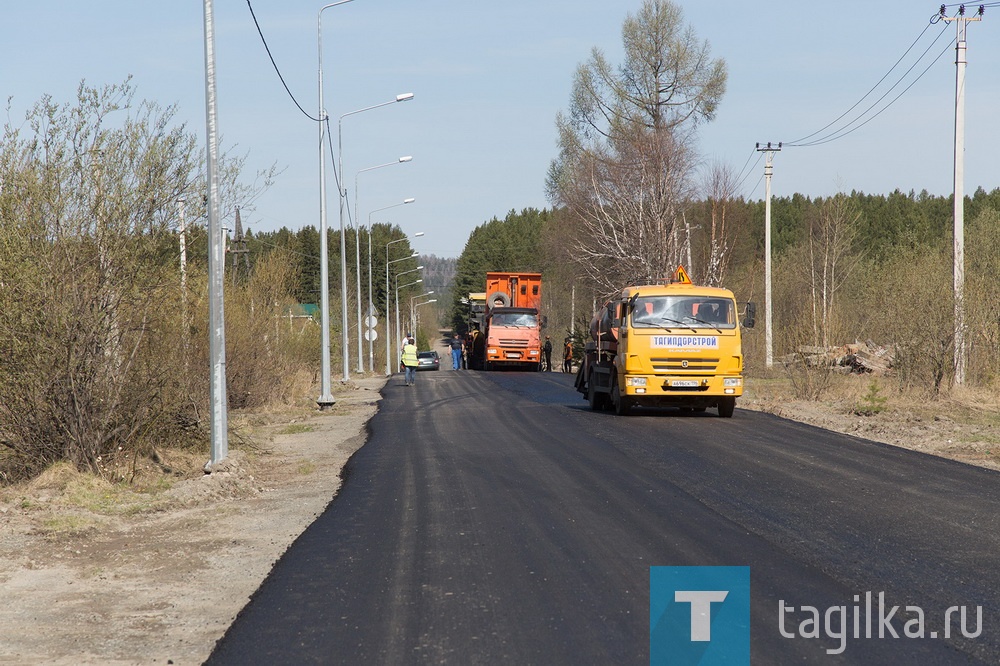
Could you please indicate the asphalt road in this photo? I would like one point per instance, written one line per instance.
(492, 518)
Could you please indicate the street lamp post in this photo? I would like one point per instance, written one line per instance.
(388, 336)
(433, 300)
(357, 260)
(371, 302)
(399, 332)
(342, 191)
(413, 320)
(325, 399)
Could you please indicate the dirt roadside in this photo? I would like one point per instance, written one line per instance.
(158, 582)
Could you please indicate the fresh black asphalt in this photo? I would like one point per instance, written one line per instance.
(492, 518)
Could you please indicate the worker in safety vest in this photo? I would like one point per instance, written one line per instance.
(410, 361)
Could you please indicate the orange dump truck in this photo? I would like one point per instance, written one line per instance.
(675, 344)
(512, 321)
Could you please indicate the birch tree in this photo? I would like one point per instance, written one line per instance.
(833, 258)
(722, 186)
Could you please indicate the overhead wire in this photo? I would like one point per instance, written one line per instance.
(325, 117)
(870, 91)
(739, 176)
(275, 65)
(844, 132)
(852, 126)
(746, 175)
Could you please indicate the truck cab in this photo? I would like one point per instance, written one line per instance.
(512, 321)
(675, 344)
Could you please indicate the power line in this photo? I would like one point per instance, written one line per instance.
(745, 173)
(844, 131)
(847, 127)
(325, 119)
(275, 65)
(854, 106)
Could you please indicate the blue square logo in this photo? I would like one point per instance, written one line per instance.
(699, 615)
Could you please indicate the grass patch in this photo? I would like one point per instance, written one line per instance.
(67, 524)
(296, 429)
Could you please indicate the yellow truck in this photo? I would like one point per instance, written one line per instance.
(674, 344)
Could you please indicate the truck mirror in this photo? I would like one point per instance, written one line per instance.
(750, 316)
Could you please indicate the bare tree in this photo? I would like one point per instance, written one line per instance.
(722, 186)
(833, 257)
(626, 160)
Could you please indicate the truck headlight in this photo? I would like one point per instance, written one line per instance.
(491, 351)
(533, 352)
(635, 381)
(732, 381)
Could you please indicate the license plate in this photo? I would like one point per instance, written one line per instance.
(684, 383)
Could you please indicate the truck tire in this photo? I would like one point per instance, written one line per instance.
(622, 404)
(595, 399)
(504, 299)
(726, 407)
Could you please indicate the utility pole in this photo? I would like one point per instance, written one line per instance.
(768, 327)
(961, 23)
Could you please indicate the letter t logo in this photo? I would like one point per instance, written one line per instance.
(701, 610)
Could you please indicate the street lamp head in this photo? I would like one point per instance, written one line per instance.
(406, 158)
(404, 97)
(418, 234)
(410, 200)
(415, 254)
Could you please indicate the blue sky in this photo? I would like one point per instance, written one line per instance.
(488, 80)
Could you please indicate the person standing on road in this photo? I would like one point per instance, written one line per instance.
(547, 348)
(568, 356)
(456, 352)
(410, 361)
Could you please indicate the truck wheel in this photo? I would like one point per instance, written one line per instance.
(622, 404)
(726, 407)
(595, 399)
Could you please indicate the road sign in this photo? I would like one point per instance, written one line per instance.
(371, 335)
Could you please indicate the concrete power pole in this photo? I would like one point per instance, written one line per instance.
(961, 23)
(768, 326)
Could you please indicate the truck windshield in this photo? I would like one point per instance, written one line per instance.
(683, 312)
(515, 319)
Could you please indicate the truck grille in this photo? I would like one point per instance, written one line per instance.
(512, 342)
(681, 364)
